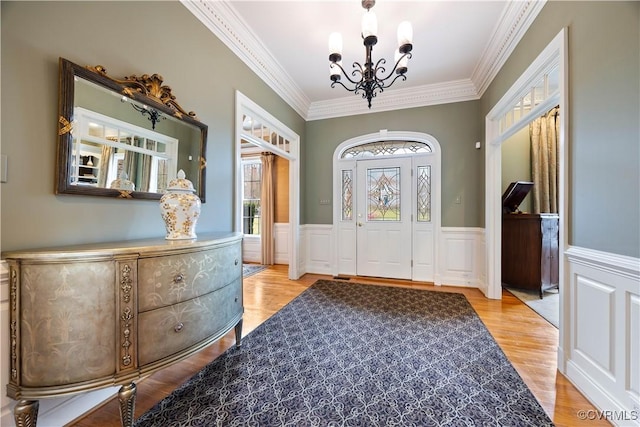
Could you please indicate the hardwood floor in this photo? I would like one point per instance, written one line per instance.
(528, 340)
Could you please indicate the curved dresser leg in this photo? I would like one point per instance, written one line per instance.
(127, 399)
(238, 329)
(26, 413)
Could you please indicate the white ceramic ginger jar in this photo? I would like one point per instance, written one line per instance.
(180, 208)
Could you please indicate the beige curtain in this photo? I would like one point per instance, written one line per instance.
(267, 201)
(544, 133)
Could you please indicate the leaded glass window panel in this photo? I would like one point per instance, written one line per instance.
(383, 194)
(386, 148)
(424, 194)
(347, 193)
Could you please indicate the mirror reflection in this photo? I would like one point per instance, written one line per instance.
(120, 142)
(110, 153)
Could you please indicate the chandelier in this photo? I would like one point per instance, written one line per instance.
(154, 115)
(369, 79)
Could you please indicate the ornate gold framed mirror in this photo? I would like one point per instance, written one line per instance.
(124, 138)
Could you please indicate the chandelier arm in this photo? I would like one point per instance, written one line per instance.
(399, 76)
(380, 68)
(357, 69)
(408, 55)
(333, 84)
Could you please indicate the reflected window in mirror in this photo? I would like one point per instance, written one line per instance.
(109, 153)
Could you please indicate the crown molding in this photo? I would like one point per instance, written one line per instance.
(223, 21)
(420, 96)
(514, 22)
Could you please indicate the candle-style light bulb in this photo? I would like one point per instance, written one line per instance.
(369, 25)
(402, 65)
(335, 43)
(405, 33)
(334, 70)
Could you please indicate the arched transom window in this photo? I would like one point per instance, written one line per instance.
(386, 148)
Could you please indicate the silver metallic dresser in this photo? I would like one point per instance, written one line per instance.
(91, 316)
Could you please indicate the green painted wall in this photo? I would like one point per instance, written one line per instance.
(603, 116)
(126, 38)
(456, 126)
(164, 37)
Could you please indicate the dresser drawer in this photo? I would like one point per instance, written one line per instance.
(166, 280)
(169, 330)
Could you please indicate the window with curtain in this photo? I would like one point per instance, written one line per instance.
(252, 184)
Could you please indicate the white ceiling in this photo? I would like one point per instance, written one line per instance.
(458, 47)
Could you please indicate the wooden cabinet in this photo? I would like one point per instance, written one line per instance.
(530, 251)
(92, 316)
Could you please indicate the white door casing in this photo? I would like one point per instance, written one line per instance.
(424, 235)
(244, 106)
(554, 55)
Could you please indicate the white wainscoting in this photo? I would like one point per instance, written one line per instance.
(460, 254)
(315, 242)
(281, 236)
(604, 331)
(53, 412)
(252, 249)
(461, 257)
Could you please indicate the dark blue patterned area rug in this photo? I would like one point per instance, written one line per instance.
(348, 354)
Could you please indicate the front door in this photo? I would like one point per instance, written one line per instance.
(384, 218)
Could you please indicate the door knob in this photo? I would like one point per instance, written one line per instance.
(359, 224)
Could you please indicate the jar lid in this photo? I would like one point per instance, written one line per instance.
(181, 183)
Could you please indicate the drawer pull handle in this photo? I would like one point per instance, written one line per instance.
(179, 278)
(179, 327)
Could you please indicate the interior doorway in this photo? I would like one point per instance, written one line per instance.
(530, 233)
(257, 127)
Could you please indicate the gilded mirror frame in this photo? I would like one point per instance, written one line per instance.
(146, 90)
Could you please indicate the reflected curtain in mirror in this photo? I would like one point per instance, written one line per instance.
(267, 197)
(543, 133)
(103, 172)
